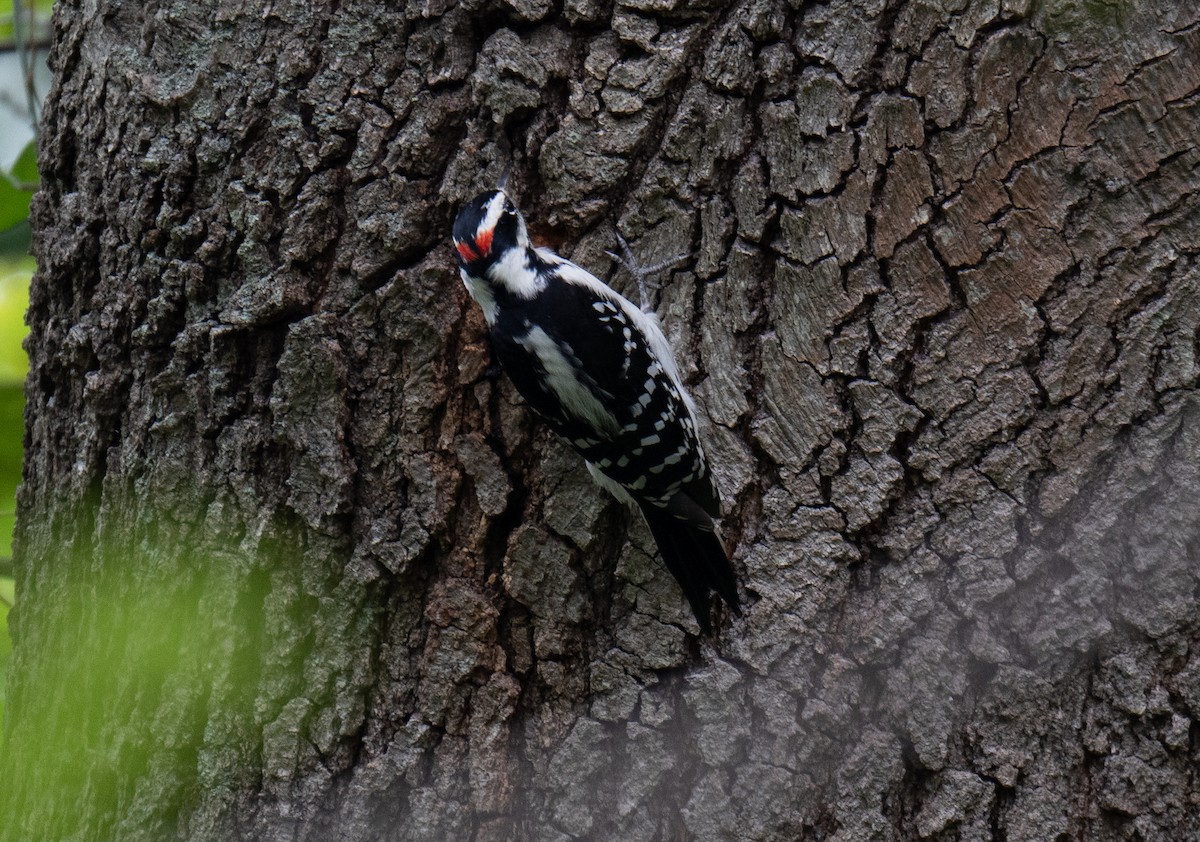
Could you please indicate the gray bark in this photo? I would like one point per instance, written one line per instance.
(294, 564)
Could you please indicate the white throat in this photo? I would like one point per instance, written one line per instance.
(515, 272)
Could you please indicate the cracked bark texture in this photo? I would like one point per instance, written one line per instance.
(295, 565)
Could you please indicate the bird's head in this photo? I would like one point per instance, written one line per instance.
(487, 228)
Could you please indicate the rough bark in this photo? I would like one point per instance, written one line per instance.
(294, 563)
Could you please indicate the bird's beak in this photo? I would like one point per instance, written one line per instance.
(477, 250)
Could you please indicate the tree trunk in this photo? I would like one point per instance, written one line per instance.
(295, 562)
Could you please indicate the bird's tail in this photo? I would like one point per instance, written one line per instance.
(694, 555)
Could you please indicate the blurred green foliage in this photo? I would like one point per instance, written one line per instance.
(16, 189)
(15, 273)
(16, 269)
(6, 601)
(25, 27)
(176, 653)
(14, 19)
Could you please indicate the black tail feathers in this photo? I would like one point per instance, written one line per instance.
(696, 558)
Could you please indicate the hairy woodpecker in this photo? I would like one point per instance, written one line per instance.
(600, 371)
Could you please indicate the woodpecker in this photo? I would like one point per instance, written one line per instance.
(599, 370)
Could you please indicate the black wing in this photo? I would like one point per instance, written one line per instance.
(648, 443)
(584, 364)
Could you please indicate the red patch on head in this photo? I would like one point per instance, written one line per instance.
(466, 252)
(483, 241)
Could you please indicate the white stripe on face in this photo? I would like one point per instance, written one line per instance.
(494, 210)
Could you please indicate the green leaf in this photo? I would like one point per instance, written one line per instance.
(15, 241)
(24, 169)
(14, 204)
(15, 274)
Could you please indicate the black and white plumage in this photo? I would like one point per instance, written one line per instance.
(600, 371)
